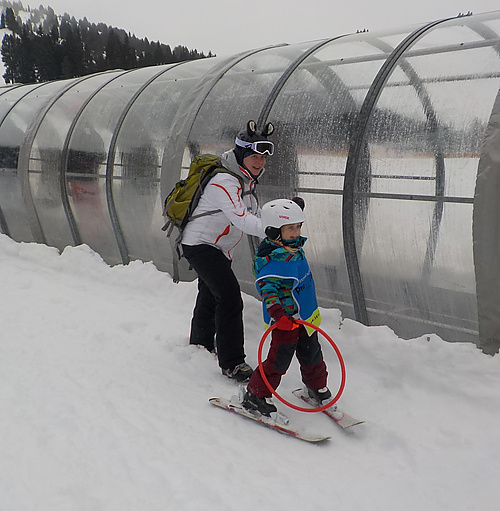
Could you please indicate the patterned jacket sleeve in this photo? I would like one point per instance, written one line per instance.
(269, 291)
(276, 291)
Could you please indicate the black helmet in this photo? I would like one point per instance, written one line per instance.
(251, 140)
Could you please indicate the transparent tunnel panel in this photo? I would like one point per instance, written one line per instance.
(48, 159)
(18, 110)
(13, 216)
(14, 219)
(89, 177)
(138, 156)
(316, 107)
(242, 91)
(414, 238)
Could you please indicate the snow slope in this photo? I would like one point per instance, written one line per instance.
(104, 406)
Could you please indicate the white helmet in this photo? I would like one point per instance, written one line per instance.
(279, 212)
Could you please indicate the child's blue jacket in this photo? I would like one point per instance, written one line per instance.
(284, 277)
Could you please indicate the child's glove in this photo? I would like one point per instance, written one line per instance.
(283, 321)
(286, 323)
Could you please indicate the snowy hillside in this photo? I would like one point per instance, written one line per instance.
(104, 406)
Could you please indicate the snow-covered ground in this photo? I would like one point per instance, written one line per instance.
(104, 406)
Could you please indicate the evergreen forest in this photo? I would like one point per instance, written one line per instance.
(50, 47)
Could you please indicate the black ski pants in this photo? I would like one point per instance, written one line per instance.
(218, 313)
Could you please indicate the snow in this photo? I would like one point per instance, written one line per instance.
(104, 405)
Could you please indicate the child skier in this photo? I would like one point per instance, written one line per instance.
(285, 283)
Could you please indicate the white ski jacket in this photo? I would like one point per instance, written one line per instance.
(237, 215)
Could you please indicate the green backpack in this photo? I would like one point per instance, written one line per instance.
(182, 200)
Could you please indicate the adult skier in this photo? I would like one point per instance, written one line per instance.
(208, 242)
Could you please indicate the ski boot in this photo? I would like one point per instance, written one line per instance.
(241, 372)
(320, 396)
(259, 404)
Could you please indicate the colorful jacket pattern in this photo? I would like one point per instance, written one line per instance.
(284, 278)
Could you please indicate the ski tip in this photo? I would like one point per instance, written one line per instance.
(343, 419)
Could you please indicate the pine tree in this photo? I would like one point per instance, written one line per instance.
(129, 56)
(47, 55)
(72, 52)
(10, 57)
(27, 72)
(158, 57)
(113, 51)
(10, 20)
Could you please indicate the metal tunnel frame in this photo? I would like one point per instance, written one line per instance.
(357, 150)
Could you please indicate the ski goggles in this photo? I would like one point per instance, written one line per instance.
(261, 147)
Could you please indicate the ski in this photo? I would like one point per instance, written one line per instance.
(343, 419)
(266, 421)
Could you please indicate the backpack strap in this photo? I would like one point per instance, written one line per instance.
(176, 257)
(251, 192)
(169, 226)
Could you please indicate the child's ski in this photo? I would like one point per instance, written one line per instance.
(343, 419)
(266, 421)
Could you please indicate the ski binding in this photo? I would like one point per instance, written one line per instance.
(280, 424)
(343, 419)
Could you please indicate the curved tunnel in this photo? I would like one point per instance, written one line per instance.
(384, 134)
